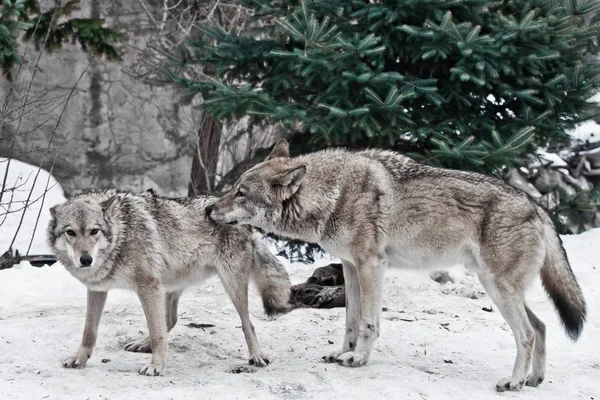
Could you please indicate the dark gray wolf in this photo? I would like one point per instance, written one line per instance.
(376, 208)
(157, 247)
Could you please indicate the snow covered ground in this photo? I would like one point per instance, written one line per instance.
(437, 342)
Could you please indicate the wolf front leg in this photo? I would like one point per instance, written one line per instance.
(95, 305)
(142, 345)
(352, 311)
(235, 280)
(152, 296)
(370, 269)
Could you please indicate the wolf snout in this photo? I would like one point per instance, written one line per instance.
(85, 260)
(209, 209)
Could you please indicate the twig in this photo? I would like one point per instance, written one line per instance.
(31, 202)
(164, 16)
(15, 78)
(46, 153)
(46, 190)
(148, 12)
(12, 195)
(35, 69)
(212, 11)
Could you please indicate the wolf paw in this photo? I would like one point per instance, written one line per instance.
(141, 345)
(152, 370)
(534, 380)
(332, 357)
(509, 384)
(259, 361)
(76, 361)
(353, 359)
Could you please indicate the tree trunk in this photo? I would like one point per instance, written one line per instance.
(204, 164)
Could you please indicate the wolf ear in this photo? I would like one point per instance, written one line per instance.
(53, 211)
(281, 150)
(106, 204)
(288, 181)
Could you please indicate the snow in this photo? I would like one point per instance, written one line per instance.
(595, 98)
(22, 176)
(553, 158)
(436, 341)
(588, 131)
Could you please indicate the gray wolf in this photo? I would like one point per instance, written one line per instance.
(375, 208)
(157, 247)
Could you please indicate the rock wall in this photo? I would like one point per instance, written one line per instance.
(115, 131)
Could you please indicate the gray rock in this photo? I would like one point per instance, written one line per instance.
(115, 131)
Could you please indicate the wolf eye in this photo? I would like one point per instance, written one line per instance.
(94, 231)
(70, 232)
(239, 193)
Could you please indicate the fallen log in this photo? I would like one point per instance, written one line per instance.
(9, 259)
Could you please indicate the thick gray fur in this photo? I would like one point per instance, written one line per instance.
(376, 208)
(157, 247)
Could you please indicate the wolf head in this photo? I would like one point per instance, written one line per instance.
(79, 232)
(258, 196)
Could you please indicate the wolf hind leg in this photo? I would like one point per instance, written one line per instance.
(539, 355)
(511, 304)
(142, 345)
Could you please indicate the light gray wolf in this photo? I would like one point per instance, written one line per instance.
(374, 207)
(157, 247)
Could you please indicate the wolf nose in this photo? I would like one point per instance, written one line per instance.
(209, 209)
(85, 261)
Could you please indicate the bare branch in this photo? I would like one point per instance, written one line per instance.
(46, 190)
(164, 15)
(11, 89)
(35, 69)
(46, 152)
(145, 7)
(12, 210)
(235, 143)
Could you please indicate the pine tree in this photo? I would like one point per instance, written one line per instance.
(50, 29)
(466, 84)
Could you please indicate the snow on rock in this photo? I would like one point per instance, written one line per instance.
(553, 158)
(588, 131)
(595, 98)
(22, 176)
(436, 342)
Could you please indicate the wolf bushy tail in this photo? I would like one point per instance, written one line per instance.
(272, 280)
(560, 284)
